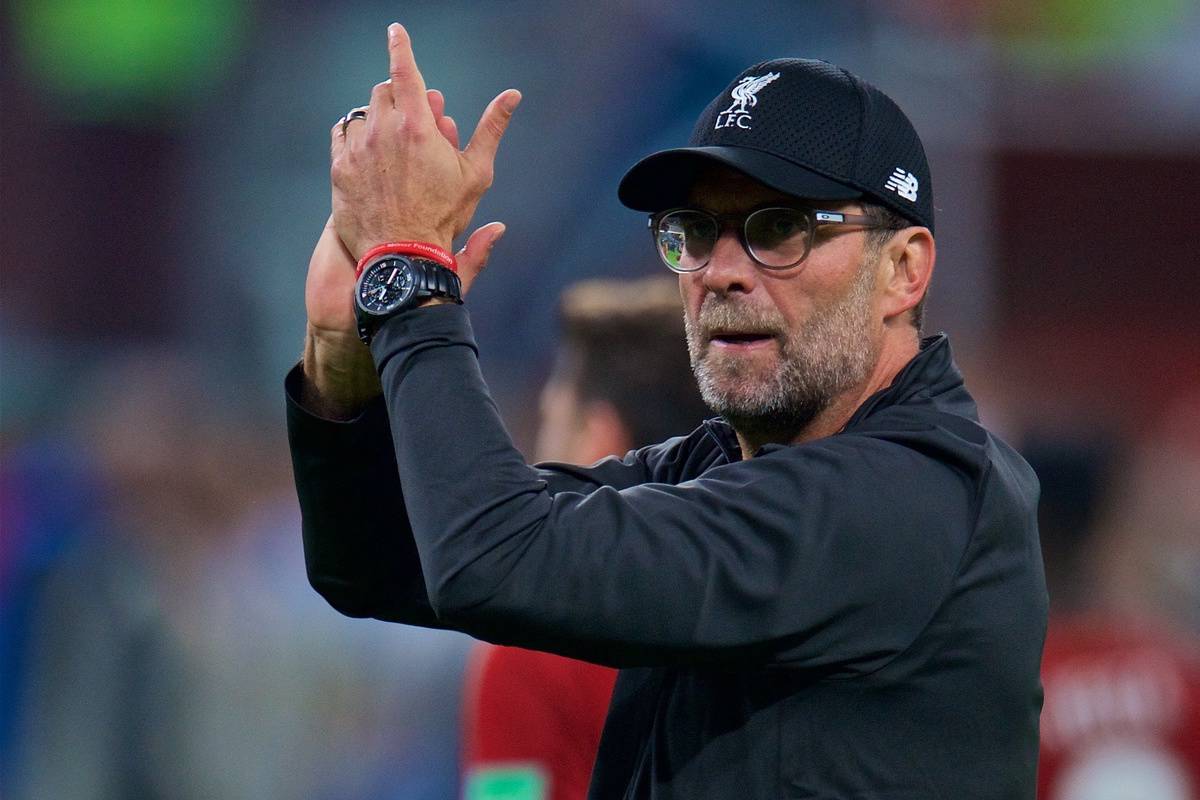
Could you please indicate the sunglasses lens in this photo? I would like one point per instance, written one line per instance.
(778, 237)
(685, 239)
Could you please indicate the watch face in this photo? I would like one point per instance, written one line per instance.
(385, 285)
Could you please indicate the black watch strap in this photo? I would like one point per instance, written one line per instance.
(434, 280)
(430, 279)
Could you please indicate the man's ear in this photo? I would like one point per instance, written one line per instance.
(908, 258)
(603, 432)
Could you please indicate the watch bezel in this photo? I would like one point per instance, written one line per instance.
(429, 279)
(405, 263)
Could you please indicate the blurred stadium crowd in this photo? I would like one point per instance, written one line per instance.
(164, 176)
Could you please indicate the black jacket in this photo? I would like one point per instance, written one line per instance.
(857, 617)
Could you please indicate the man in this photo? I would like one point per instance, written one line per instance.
(533, 719)
(833, 591)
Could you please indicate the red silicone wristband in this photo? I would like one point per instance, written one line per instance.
(421, 249)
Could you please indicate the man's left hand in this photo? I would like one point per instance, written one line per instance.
(397, 176)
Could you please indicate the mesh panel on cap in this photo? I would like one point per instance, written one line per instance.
(809, 115)
(885, 147)
(815, 127)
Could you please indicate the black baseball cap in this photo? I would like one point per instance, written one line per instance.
(803, 127)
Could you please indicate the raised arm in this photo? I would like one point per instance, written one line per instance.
(358, 546)
(789, 558)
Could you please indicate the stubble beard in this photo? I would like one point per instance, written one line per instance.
(830, 353)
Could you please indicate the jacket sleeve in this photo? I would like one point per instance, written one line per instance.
(831, 555)
(358, 545)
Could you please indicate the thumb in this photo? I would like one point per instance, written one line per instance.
(473, 257)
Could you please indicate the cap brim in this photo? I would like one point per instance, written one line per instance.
(662, 180)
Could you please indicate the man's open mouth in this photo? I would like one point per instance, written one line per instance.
(740, 338)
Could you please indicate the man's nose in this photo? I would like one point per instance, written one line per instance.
(730, 268)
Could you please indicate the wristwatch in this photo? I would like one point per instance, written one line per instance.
(393, 283)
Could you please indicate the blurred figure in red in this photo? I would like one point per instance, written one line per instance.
(1122, 713)
(1121, 668)
(533, 719)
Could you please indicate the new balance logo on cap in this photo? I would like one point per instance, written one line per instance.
(744, 95)
(903, 183)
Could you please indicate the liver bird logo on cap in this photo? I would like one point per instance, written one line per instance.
(745, 95)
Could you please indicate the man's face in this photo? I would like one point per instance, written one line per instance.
(772, 348)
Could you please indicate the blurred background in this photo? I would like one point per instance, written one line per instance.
(164, 175)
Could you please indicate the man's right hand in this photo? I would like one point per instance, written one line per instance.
(340, 377)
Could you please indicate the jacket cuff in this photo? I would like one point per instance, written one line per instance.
(351, 434)
(441, 325)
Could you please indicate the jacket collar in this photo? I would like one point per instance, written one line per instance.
(721, 432)
(930, 378)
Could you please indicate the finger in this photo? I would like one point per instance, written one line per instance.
(408, 87)
(445, 125)
(353, 125)
(338, 132)
(437, 103)
(329, 224)
(473, 256)
(381, 100)
(449, 130)
(355, 115)
(337, 139)
(486, 139)
(345, 251)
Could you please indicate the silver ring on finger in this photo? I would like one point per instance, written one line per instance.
(357, 113)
